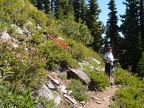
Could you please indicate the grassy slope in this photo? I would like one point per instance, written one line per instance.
(130, 94)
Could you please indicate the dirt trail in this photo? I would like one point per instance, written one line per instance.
(101, 99)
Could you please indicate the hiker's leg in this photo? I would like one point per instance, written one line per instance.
(110, 79)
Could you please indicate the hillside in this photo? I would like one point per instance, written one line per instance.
(45, 63)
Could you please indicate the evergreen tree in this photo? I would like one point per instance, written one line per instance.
(83, 10)
(140, 66)
(93, 24)
(39, 4)
(112, 28)
(52, 6)
(47, 6)
(142, 22)
(60, 6)
(69, 10)
(131, 32)
(33, 1)
(76, 5)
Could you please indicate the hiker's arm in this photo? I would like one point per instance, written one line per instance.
(105, 60)
(115, 59)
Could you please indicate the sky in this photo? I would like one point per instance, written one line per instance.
(104, 9)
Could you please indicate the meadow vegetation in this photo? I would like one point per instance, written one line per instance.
(22, 70)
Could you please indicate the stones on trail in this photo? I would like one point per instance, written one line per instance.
(99, 99)
(95, 98)
(106, 99)
(98, 102)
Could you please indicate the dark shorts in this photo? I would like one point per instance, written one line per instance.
(107, 68)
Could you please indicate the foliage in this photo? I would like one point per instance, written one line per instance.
(12, 97)
(130, 95)
(112, 28)
(76, 31)
(78, 90)
(98, 80)
(94, 25)
(23, 67)
(126, 78)
(55, 54)
(140, 66)
(131, 44)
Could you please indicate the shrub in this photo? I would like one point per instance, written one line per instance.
(56, 55)
(22, 67)
(75, 31)
(130, 97)
(140, 66)
(78, 90)
(99, 80)
(126, 78)
(20, 98)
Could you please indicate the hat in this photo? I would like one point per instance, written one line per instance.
(109, 47)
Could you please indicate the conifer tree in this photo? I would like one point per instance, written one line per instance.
(69, 10)
(142, 22)
(47, 6)
(39, 4)
(60, 6)
(76, 5)
(131, 32)
(83, 10)
(112, 27)
(94, 24)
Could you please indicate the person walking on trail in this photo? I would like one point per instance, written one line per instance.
(109, 64)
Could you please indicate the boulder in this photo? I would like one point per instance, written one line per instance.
(78, 74)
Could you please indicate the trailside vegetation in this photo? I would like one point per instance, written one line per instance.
(26, 58)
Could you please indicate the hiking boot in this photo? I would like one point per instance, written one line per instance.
(111, 84)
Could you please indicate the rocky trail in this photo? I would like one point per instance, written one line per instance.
(101, 99)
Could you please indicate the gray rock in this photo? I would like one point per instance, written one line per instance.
(54, 80)
(45, 92)
(19, 31)
(79, 74)
(57, 100)
(95, 60)
(63, 89)
(5, 36)
(70, 99)
(98, 102)
(38, 105)
(51, 85)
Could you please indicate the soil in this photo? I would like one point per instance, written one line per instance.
(101, 99)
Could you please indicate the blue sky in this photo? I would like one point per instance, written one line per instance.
(104, 8)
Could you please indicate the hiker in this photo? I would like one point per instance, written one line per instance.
(109, 64)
